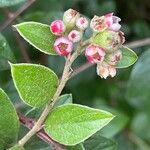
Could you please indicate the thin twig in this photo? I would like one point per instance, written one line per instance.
(16, 14)
(134, 44)
(81, 68)
(29, 123)
(136, 140)
(138, 43)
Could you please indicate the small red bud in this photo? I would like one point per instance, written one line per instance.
(57, 27)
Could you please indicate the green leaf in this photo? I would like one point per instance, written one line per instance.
(97, 142)
(142, 131)
(38, 35)
(35, 84)
(16, 148)
(71, 124)
(9, 123)
(129, 57)
(7, 3)
(117, 124)
(138, 92)
(5, 53)
(64, 99)
(76, 147)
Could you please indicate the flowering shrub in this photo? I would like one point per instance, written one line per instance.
(39, 87)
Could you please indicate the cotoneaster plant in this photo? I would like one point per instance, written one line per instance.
(39, 87)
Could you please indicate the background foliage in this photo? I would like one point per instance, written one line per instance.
(126, 96)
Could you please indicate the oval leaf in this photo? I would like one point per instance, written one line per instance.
(9, 122)
(71, 124)
(35, 84)
(38, 35)
(129, 57)
(64, 99)
(138, 92)
(97, 142)
(7, 3)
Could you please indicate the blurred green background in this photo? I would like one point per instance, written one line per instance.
(127, 95)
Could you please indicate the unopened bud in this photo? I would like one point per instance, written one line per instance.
(63, 46)
(57, 27)
(94, 53)
(82, 23)
(104, 70)
(75, 36)
(70, 17)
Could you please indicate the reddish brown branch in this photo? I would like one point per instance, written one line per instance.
(29, 123)
(16, 14)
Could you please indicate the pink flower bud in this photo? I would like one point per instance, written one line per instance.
(63, 46)
(112, 22)
(94, 53)
(98, 24)
(70, 17)
(57, 27)
(104, 70)
(74, 36)
(82, 23)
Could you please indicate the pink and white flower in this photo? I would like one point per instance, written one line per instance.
(74, 36)
(82, 23)
(70, 17)
(94, 53)
(112, 22)
(114, 58)
(109, 21)
(63, 46)
(104, 70)
(57, 27)
(98, 24)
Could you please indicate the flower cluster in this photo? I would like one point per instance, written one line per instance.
(103, 47)
(68, 31)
